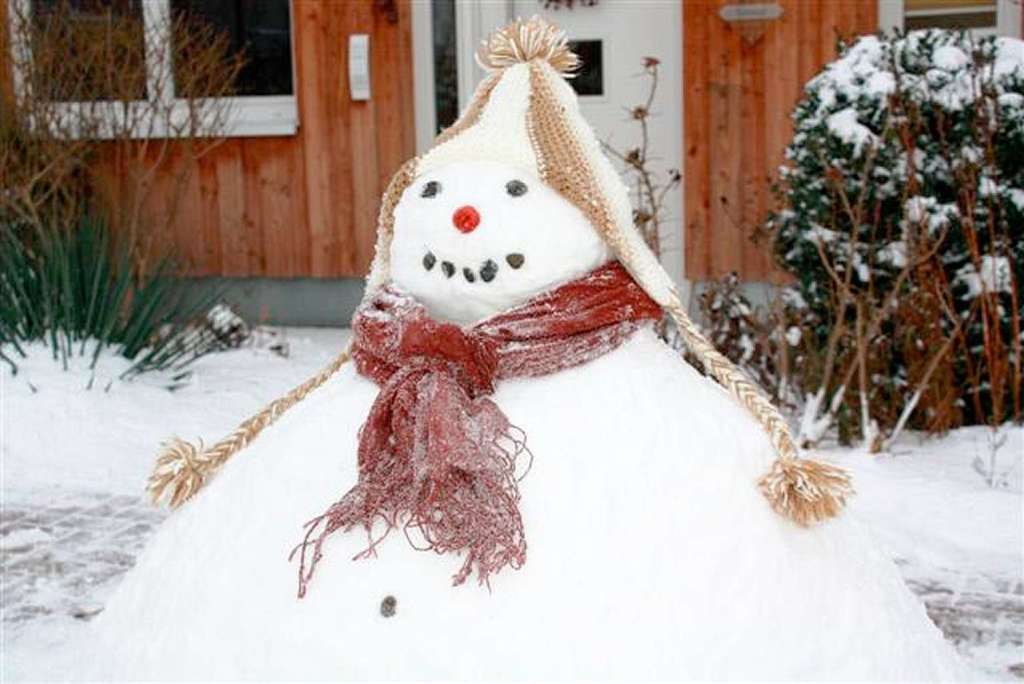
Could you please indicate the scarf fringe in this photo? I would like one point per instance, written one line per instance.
(455, 510)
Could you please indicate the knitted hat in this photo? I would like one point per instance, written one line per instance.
(526, 115)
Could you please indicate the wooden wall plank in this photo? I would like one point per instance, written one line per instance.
(740, 88)
(726, 146)
(6, 77)
(186, 222)
(697, 120)
(364, 144)
(231, 216)
(754, 199)
(312, 44)
(212, 261)
(276, 199)
(299, 249)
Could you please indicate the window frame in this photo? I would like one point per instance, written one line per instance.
(891, 14)
(247, 116)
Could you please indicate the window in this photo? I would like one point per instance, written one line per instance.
(446, 71)
(981, 17)
(589, 78)
(87, 23)
(259, 30)
(970, 14)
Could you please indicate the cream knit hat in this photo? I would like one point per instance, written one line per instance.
(525, 114)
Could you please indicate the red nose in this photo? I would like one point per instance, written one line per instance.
(466, 219)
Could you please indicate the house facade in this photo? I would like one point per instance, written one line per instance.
(340, 92)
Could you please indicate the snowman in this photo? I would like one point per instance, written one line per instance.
(508, 475)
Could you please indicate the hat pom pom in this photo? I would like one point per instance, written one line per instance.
(806, 491)
(525, 40)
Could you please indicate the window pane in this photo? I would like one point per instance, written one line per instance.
(259, 29)
(926, 5)
(88, 50)
(918, 5)
(589, 78)
(446, 73)
(972, 20)
(950, 14)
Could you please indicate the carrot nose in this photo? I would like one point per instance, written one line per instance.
(466, 219)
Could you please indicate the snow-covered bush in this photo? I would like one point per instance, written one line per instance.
(903, 225)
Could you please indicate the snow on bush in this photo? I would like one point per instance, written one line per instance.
(903, 198)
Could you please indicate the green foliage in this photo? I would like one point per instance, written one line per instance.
(78, 291)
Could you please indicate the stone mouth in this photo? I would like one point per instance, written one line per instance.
(485, 272)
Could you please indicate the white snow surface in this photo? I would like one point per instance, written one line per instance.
(614, 549)
(994, 276)
(845, 126)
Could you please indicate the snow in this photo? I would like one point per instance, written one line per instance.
(993, 278)
(793, 335)
(1017, 197)
(113, 427)
(950, 58)
(956, 541)
(75, 449)
(845, 126)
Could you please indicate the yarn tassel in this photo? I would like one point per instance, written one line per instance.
(180, 471)
(806, 491)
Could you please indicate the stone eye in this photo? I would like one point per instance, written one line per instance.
(430, 189)
(516, 188)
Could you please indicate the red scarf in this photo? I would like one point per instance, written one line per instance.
(437, 457)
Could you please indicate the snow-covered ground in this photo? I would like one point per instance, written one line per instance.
(76, 447)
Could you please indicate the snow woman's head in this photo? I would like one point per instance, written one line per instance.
(475, 238)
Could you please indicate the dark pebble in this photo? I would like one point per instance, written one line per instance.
(488, 271)
(448, 268)
(515, 260)
(429, 260)
(388, 606)
(470, 276)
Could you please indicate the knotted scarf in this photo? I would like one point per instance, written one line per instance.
(437, 457)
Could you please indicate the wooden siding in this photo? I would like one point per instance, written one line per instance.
(6, 88)
(739, 91)
(302, 205)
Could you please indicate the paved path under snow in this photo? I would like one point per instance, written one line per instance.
(53, 559)
(62, 560)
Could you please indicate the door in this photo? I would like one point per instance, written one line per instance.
(613, 38)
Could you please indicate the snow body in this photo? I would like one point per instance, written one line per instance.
(651, 554)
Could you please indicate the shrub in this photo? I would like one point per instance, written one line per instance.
(77, 290)
(903, 226)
